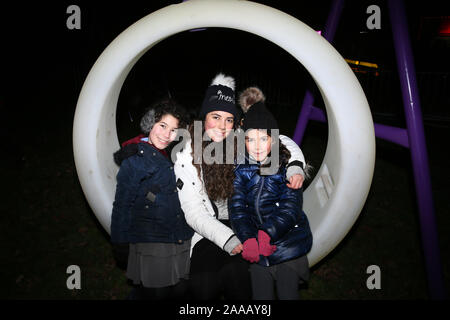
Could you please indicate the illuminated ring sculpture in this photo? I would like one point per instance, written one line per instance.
(338, 192)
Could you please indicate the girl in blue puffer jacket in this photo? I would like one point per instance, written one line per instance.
(147, 214)
(266, 215)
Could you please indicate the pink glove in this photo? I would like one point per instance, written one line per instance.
(265, 248)
(250, 251)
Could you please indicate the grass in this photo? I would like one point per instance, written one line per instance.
(47, 226)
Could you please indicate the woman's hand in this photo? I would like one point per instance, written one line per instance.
(237, 249)
(296, 181)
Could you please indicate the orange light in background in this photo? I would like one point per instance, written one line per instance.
(358, 63)
(362, 63)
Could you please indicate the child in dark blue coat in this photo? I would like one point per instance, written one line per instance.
(267, 215)
(146, 211)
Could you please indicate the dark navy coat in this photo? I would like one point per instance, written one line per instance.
(265, 203)
(146, 206)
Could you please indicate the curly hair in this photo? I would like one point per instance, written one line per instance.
(218, 178)
(159, 109)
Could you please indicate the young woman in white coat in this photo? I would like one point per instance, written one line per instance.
(217, 268)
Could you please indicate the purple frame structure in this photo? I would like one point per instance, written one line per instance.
(412, 137)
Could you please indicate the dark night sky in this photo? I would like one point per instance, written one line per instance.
(47, 63)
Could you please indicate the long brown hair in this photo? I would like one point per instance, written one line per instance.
(218, 178)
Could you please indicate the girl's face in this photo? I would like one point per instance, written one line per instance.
(258, 144)
(164, 131)
(218, 125)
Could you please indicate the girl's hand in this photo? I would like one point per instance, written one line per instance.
(250, 252)
(265, 248)
(296, 181)
(237, 249)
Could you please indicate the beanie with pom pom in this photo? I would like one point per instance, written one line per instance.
(256, 114)
(220, 97)
(250, 96)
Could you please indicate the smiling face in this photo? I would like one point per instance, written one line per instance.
(218, 125)
(164, 131)
(258, 144)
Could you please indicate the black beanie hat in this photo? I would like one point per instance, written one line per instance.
(220, 97)
(259, 117)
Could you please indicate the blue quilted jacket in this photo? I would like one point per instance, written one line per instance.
(266, 203)
(146, 206)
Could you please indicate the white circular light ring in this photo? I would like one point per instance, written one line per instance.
(338, 192)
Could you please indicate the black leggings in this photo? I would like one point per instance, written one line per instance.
(266, 279)
(215, 274)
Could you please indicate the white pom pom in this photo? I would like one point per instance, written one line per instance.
(223, 80)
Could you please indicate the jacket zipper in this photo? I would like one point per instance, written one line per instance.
(257, 200)
(266, 261)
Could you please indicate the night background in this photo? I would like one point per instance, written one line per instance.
(46, 223)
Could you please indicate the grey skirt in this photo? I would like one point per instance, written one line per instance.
(156, 265)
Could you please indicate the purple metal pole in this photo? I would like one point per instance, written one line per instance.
(333, 20)
(413, 114)
(303, 117)
(317, 114)
(308, 100)
(392, 134)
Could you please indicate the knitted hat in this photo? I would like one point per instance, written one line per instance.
(220, 97)
(259, 117)
(256, 116)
